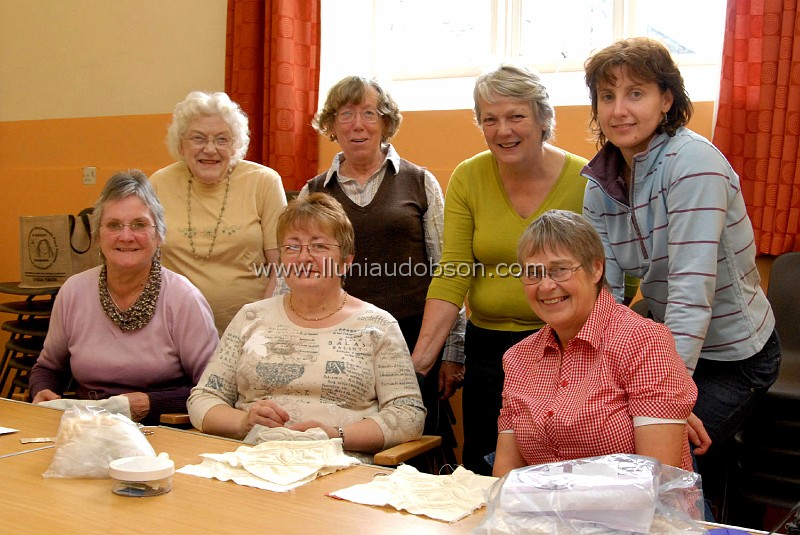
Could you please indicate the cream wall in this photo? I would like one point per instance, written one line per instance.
(93, 83)
(90, 58)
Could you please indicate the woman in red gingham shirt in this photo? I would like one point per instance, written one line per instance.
(598, 378)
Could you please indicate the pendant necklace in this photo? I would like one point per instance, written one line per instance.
(219, 218)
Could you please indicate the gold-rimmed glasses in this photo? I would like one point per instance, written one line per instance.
(535, 273)
(137, 227)
(199, 141)
(367, 116)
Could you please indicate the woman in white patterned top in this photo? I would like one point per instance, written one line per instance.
(315, 357)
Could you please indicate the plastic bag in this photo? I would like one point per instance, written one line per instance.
(612, 494)
(89, 438)
(115, 404)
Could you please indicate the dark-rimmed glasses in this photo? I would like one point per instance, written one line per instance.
(314, 249)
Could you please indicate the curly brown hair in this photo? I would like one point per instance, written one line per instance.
(645, 60)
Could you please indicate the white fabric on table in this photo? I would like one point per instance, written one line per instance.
(261, 433)
(446, 497)
(277, 465)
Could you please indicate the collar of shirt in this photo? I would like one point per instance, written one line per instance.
(392, 158)
(592, 331)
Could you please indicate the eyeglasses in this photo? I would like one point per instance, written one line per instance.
(199, 141)
(534, 274)
(348, 116)
(137, 227)
(314, 249)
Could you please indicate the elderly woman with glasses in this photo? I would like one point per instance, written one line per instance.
(130, 326)
(221, 209)
(598, 378)
(397, 211)
(316, 357)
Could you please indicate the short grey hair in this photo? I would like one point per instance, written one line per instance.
(199, 103)
(122, 185)
(352, 90)
(520, 84)
(565, 232)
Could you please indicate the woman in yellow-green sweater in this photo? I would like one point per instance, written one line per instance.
(491, 198)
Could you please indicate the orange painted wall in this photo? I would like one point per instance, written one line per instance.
(41, 161)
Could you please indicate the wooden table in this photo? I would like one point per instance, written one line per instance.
(33, 504)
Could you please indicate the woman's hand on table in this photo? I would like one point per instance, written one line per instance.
(331, 431)
(45, 395)
(267, 413)
(140, 405)
(364, 435)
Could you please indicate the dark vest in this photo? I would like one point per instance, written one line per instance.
(390, 268)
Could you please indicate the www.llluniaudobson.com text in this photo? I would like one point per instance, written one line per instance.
(404, 269)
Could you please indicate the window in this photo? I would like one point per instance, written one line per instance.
(428, 52)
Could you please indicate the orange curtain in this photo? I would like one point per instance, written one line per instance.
(272, 71)
(758, 123)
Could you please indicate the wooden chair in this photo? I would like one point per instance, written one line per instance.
(175, 419)
(27, 334)
(425, 445)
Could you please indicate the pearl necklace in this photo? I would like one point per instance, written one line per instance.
(219, 218)
(326, 316)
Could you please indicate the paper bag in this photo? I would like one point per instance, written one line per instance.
(54, 247)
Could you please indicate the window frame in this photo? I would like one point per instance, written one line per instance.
(451, 87)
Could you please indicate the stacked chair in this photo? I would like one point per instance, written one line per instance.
(27, 332)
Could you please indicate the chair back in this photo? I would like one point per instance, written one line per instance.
(767, 470)
(784, 296)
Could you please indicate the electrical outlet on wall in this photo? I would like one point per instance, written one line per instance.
(89, 175)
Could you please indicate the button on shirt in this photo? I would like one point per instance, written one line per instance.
(581, 403)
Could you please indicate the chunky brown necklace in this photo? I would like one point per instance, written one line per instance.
(140, 314)
(219, 218)
(326, 316)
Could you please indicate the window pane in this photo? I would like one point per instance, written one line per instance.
(696, 38)
(428, 52)
(554, 35)
(421, 36)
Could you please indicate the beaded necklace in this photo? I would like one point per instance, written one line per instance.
(141, 312)
(326, 316)
(219, 218)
